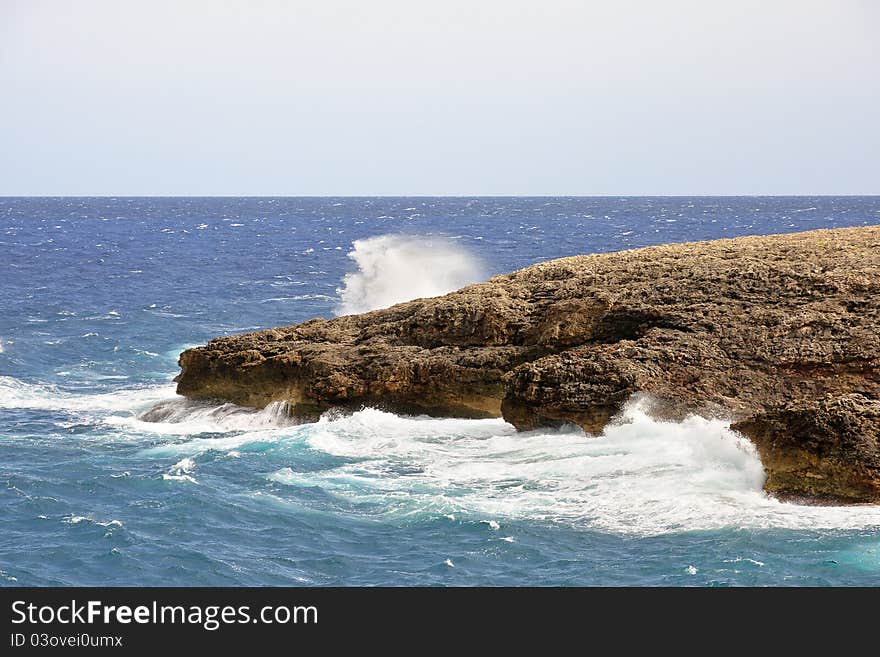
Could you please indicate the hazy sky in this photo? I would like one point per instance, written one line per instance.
(388, 97)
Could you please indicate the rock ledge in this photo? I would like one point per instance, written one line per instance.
(780, 334)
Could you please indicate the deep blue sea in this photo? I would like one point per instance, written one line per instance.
(99, 295)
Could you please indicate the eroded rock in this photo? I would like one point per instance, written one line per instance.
(751, 329)
(826, 450)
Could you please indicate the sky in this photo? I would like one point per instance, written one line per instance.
(450, 97)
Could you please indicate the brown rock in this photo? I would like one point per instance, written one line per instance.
(738, 328)
(826, 450)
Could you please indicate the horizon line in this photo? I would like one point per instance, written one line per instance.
(471, 196)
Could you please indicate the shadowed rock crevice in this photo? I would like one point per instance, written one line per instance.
(736, 328)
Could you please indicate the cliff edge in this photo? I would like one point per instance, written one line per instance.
(780, 334)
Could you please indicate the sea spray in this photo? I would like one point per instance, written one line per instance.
(642, 476)
(15, 393)
(77, 449)
(191, 417)
(396, 268)
(181, 471)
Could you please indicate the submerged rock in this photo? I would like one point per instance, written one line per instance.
(759, 330)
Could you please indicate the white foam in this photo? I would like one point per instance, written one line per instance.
(75, 520)
(396, 268)
(759, 564)
(181, 416)
(226, 444)
(642, 476)
(181, 471)
(18, 394)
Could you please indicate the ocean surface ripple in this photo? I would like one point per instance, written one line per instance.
(109, 478)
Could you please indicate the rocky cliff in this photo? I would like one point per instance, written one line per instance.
(780, 334)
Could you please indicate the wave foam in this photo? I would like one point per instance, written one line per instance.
(642, 476)
(181, 471)
(75, 520)
(182, 416)
(18, 394)
(397, 268)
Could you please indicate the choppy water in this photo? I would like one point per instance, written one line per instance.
(98, 296)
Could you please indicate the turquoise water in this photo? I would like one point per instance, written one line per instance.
(98, 297)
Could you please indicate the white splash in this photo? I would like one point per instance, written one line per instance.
(75, 520)
(642, 476)
(181, 471)
(396, 268)
(182, 416)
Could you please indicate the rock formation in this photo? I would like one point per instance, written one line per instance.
(822, 451)
(780, 334)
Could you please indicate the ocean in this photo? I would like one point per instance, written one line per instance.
(98, 296)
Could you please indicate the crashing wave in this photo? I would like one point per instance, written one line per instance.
(641, 476)
(184, 416)
(396, 268)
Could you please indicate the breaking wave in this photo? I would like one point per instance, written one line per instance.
(396, 268)
(185, 417)
(641, 476)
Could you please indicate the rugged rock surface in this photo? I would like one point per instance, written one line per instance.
(762, 330)
(826, 450)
